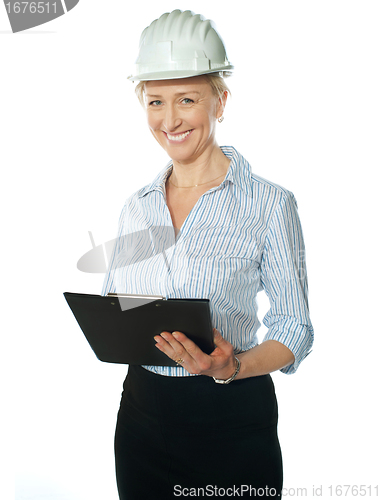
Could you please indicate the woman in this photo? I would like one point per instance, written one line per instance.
(233, 234)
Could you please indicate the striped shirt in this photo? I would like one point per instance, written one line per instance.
(241, 237)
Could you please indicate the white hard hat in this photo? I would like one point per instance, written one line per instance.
(180, 45)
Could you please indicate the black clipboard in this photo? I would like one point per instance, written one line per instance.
(119, 333)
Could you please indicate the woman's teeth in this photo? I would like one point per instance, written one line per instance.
(178, 137)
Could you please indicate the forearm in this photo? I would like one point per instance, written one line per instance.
(264, 358)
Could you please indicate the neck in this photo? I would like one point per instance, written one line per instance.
(205, 169)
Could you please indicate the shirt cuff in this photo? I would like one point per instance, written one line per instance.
(298, 338)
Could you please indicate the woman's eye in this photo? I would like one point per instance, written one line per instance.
(187, 101)
(155, 103)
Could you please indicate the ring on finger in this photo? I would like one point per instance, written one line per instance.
(179, 361)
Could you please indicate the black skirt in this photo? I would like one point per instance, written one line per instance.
(188, 436)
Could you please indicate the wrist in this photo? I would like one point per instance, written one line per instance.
(233, 376)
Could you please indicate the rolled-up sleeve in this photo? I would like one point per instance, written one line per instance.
(284, 279)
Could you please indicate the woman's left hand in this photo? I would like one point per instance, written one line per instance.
(220, 363)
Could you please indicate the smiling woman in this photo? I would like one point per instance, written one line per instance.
(212, 419)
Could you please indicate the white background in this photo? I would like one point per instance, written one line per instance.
(305, 112)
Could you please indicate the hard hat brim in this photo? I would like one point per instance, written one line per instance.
(172, 75)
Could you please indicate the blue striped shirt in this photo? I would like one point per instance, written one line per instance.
(241, 237)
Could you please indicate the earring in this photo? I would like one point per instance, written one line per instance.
(220, 119)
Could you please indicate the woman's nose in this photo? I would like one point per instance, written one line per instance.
(172, 119)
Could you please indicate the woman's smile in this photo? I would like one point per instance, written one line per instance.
(179, 137)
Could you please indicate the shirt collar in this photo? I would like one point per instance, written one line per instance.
(239, 173)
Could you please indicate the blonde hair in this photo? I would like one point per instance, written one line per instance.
(216, 81)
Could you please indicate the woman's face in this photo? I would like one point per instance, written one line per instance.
(182, 116)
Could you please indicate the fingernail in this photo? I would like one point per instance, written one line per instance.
(175, 334)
